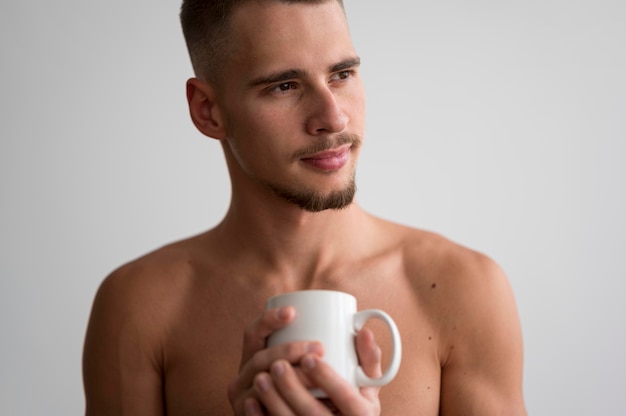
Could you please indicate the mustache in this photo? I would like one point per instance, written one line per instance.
(327, 143)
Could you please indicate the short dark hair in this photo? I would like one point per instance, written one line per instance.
(206, 27)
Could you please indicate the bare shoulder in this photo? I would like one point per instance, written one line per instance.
(152, 280)
(450, 279)
(130, 318)
(139, 296)
(469, 298)
(432, 259)
(468, 288)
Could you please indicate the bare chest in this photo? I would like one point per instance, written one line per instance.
(203, 351)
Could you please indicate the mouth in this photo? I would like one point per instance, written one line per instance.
(329, 160)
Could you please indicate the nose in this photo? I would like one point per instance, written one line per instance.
(326, 115)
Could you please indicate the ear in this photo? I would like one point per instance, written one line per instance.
(203, 109)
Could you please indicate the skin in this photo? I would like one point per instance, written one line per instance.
(181, 331)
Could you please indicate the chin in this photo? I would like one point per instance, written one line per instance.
(314, 201)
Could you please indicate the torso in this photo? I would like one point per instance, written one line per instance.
(209, 300)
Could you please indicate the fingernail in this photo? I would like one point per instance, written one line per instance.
(309, 362)
(262, 383)
(278, 369)
(283, 313)
(314, 348)
(252, 408)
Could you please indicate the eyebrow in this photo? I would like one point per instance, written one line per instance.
(278, 77)
(282, 76)
(347, 64)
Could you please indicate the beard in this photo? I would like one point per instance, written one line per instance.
(312, 200)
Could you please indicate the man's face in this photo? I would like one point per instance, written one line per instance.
(293, 102)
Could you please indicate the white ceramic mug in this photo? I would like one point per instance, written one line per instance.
(331, 318)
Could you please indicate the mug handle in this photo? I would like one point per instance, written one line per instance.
(359, 320)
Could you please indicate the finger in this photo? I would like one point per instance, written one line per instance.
(370, 356)
(294, 392)
(252, 407)
(270, 398)
(347, 398)
(253, 342)
(369, 353)
(256, 334)
(262, 360)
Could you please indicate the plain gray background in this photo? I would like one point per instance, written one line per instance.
(501, 124)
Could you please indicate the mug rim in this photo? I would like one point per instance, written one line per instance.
(312, 292)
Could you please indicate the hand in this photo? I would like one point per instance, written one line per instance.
(256, 358)
(282, 391)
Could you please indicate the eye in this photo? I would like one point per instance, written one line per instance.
(285, 86)
(343, 75)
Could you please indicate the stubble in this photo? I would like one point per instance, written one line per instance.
(312, 200)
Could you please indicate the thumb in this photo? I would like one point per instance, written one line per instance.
(369, 353)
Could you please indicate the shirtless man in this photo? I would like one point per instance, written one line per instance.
(182, 330)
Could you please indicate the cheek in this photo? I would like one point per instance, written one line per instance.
(356, 105)
(357, 114)
(257, 120)
(279, 115)
(258, 137)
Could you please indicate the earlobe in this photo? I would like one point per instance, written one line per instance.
(203, 109)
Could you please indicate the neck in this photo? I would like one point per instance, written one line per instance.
(282, 237)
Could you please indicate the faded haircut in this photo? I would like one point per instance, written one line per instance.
(206, 27)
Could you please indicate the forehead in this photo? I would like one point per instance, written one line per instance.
(273, 35)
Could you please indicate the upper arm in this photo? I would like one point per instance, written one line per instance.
(121, 368)
(483, 361)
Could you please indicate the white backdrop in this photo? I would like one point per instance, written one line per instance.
(499, 124)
